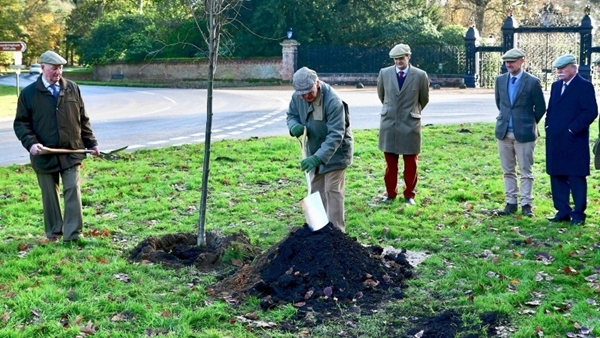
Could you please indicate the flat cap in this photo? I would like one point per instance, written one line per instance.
(597, 61)
(513, 55)
(399, 50)
(52, 58)
(304, 80)
(564, 60)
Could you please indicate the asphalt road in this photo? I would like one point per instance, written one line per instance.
(157, 117)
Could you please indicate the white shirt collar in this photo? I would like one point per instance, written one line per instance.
(48, 84)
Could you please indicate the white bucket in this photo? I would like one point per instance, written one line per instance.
(314, 212)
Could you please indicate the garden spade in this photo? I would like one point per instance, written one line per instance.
(314, 211)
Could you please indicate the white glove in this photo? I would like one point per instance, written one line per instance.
(35, 149)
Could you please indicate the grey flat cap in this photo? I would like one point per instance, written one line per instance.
(564, 60)
(52, 58)
(399, 50)
(597, 61)
(513, 55)
(304, 80)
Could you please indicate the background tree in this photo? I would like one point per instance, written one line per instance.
(341, 22)
(117, 38)
(10, 30)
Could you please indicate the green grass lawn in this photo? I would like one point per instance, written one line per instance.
(8, 101)
(541, 276)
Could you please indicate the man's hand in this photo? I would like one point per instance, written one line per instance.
(95, 151)
(310, 163)
(297, 130)
(35, 149)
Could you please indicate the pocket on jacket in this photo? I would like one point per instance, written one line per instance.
(384, 111)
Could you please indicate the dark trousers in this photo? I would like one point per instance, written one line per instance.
(562, 186)
(55, 225)
(391, 174)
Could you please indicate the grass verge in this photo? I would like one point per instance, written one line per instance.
(542, 276)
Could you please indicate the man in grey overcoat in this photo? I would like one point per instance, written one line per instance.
(404, 91)
(571, 110)
(521, 105)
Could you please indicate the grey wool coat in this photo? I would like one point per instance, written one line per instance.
(400, 121)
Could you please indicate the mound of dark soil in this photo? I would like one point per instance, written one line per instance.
(181, 249)
(319, 271)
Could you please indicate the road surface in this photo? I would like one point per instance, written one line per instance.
(157, 117)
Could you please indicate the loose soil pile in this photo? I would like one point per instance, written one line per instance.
(181, 249)
(319, 271)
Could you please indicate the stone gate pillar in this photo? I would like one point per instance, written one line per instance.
(289, 53)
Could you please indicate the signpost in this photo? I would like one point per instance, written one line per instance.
(17, 47)
(12, 46)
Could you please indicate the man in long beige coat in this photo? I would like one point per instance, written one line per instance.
(404, 91)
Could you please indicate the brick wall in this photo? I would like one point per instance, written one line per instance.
(177, 71)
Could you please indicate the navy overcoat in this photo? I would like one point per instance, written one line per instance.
(568, 120)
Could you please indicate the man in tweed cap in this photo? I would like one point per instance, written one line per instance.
(521, 105)
(571, 109)
(404, 91)
(51, 113)
(317, 107)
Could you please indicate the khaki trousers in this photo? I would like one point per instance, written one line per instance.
(330, 186)
(512, 151)
(55, 225)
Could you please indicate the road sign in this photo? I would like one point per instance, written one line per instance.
(16, 66)
(12, 46)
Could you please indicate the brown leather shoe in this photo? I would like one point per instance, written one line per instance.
(508, 209)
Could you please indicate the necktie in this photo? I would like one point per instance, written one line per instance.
(55, 90)
(400, 75)
(563, 88)
(512, 89)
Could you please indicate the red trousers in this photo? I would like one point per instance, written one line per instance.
(391, 174)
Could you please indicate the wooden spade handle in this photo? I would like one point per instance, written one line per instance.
(46, 150)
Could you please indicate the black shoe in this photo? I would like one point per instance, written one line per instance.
(410, 201)
(389, 200)
(576, 221)
(508, 209)
(526, 210)
(559, 218)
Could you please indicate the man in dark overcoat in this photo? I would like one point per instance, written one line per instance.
(571, 110)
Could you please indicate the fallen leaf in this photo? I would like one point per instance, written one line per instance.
(118, 317)
(23, 246)
(88, 328)
(570, 271)
(237, 262)
(251, 315)
(534, 302)
(122, 277)
(299, 304)
(308, 294)
(5, 316)
(328, 291)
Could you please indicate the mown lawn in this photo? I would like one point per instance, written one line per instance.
(541, 276)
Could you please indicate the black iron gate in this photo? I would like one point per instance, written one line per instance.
(542, 44)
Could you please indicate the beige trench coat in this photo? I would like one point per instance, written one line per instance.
(400, 126)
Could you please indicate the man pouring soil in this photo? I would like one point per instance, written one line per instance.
(318, 107)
